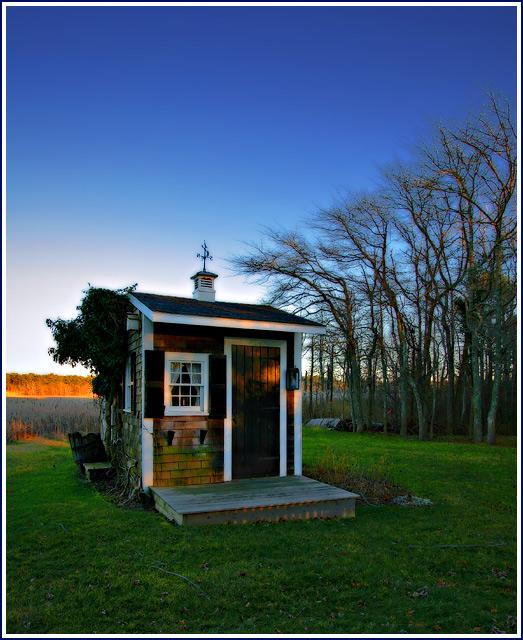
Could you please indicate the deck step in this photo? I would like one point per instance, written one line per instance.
(263, 499)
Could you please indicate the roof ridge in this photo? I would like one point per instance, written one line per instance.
(178, 305)
(249, 304)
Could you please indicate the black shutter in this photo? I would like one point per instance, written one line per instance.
(154, 377)
(217, 387)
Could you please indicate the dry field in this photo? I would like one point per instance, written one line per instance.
(28, 418)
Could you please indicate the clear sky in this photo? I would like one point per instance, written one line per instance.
(134, 133)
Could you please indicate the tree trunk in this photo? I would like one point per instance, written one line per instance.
(385, 390)
(357, 414)
(311, 383)
(403, 389)
(351, 392)
(344, 378)
(371, 378)
(476, 389)
(497, 356)
(436, 381)
(322, 370)
(331, 376)
(422, 428)
(449, 348)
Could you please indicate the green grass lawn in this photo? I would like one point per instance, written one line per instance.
(77, 563)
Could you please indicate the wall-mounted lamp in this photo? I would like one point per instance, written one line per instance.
(203, 433)
(293, 379)
(170, 437)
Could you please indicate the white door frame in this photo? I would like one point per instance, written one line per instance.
(297, 410)
(227, 439)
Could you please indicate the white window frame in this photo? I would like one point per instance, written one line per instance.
(203, 359)
(127, 407)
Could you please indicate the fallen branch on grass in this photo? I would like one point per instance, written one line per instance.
(455, 546)
(178, 575)
(362, 496)
(59, 523)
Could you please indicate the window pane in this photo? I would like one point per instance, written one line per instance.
(175, 391)
(196, 367)
(184, 402)
(195, 401)
(185, 391)
(175, 377)
(196, 378)
(186, 378)
(176, 402)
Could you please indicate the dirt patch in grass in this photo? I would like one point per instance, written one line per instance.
(372, 483)
(372, 490)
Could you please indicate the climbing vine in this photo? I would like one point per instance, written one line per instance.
(97, 339)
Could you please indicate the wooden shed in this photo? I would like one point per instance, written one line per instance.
(212, 398)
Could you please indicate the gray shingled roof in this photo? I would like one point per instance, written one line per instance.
(232, 310)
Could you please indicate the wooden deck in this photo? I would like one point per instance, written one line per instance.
(258, 499)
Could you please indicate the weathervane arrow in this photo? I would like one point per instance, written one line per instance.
(205, 255)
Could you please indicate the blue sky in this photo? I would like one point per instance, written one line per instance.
(134, 133)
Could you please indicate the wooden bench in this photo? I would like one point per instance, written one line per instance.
(93, 469)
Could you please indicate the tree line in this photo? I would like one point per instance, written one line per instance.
(416, 281)
(32, 384)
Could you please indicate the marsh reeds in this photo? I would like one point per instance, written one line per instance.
(29, 418)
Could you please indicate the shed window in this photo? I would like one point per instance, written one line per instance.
(130, 384)
(186, 388)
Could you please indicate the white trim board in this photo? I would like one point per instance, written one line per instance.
(297, 410)
(147, 423)
(227, 439)
(226, 323)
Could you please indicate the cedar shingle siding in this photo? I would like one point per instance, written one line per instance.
(187, 461)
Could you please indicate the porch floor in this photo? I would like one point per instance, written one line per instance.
(239, 501)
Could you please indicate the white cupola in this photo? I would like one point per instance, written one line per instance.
(204, 280)
(204, 286)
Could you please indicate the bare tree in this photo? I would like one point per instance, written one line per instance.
(305, 277)
(473, 166)
(418, 278)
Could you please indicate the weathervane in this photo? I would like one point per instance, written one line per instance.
(205, 255)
